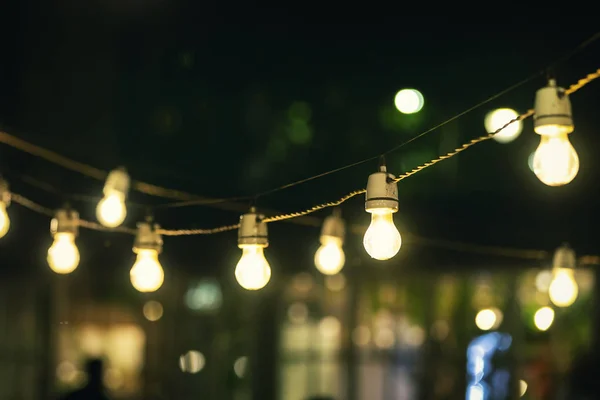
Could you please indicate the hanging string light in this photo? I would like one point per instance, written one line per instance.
(63, 255)
(147, 274)
(4, 202)
(555, 161)
(563, 289)
(382, 240)
(111, 210)
(253, 272)
(330, 258)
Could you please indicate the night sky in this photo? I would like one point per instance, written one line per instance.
(191, 103)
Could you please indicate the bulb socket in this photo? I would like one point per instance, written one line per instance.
(4, 192)
(65, 221)
(552, 108)
(333, 226)
(117, 181)
(564, 258)
(147, 237)
(382, 191)
(252, 230)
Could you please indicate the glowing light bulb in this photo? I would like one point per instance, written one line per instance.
(4, 220)
(63, 255)
(330, 258)
(543, 318)
(500, 117)
(111, 210)
(563, 290)
(147, 274)
(555, 161)
(488, 318)
(253, 272)
(409, 101)
(382, 239)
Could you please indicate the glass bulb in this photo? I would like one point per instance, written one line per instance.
(382, 240)
(253, 271)
(555, 161)
(330, 258)
(563, 290)
(147, 274)
(111, 210)
(63, 255)
(4, 220)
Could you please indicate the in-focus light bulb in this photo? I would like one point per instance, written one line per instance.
(563, 290)
(382, 239)
(63, 255)
(4, 220)
(147, 274)
(555, 161)
(111, 210)
(253, 271)
(330, 258)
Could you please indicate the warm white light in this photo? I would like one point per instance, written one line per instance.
(497, 119)
(153, 310)
(522, 387)
(4, 220)
(488, 318)
(111, 210)
(330, 257)
(253, 271)
(555, 162)
(563, 290)
(409, 101)
(382, 240)
(63, 255)
(543, 318)
(147, 274)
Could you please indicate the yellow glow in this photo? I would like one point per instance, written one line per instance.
(153, 310)
(382, 240)
(63, 255)
(253, 271)
(111, 210)
(147, 274)
(500, 117)
(522, 387)
(409, 101)
(488, 318)
(555, 162)
(543, 318)
(563, 290)
(330, 257)
(4, 220)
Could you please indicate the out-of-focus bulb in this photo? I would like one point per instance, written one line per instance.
(500, 117)
(330, 258)
(555, 161)
(382, 239)
(111, 210)
(4, 220)
(63, 255)
(147, 274)
(253, 271)
(563, 290)
(543, 318)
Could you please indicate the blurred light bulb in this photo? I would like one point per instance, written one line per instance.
(409, 101)
(543, 318)
(382, 240)
(330, 258)
(563, 290)
(147, 274)
(488, 318)
(111, 210)
(4, 220)
(555, 161)
(500, 117)
(253, 271)
(63, 255)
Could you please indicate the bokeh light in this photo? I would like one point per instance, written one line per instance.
(496, 119)
(543, 318)
(409, 101)
(488, 318)
(153, 310)
(192, 362)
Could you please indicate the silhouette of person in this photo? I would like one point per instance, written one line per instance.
(94, 389)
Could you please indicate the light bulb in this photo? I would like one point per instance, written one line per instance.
(330, 258)
(253, 271)
(4, 220)
(63, 255)
(555, 161)
(147, 274)
(563, 290)
(111, 210)
(382, 239)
